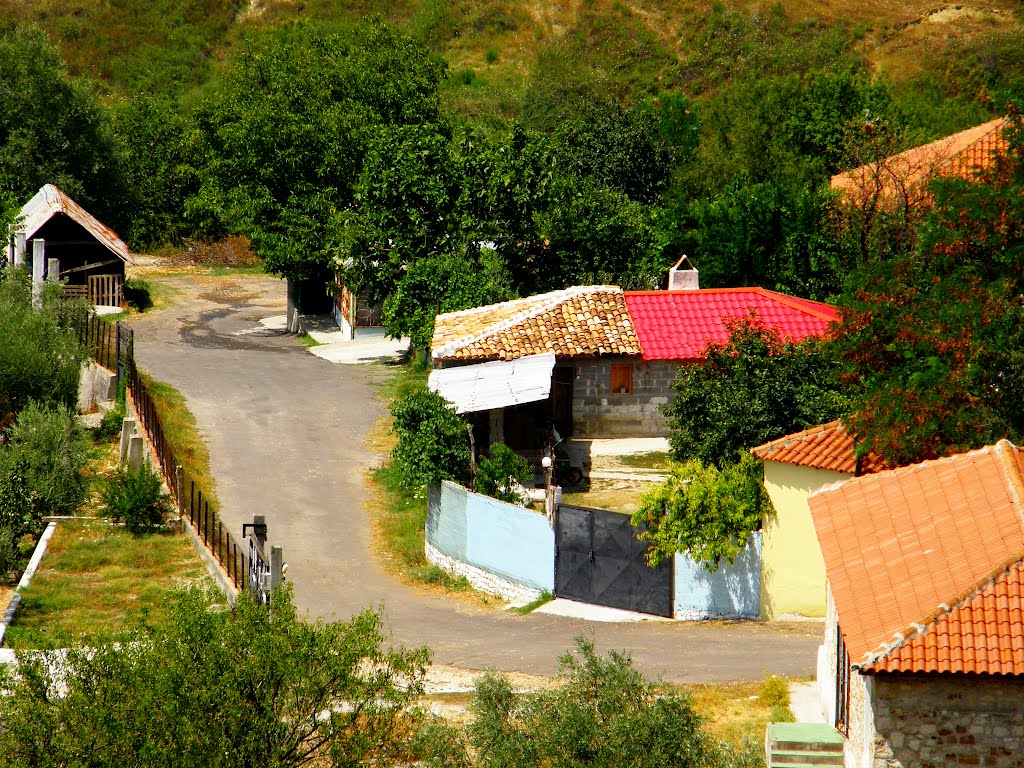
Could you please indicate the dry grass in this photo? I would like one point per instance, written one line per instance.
(614, 495)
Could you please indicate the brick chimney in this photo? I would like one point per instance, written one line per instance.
(683, 276)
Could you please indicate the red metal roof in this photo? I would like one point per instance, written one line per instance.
(679, 325)
(827, 446)
(909, 556)
(50, 201)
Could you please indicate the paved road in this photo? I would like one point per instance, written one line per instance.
(285, 432)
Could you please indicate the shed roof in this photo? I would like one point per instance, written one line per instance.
(50, 201)
(827, 446)
(495, 384)
(923, 563)
(576, 322)
(960, 155)
(679, 325)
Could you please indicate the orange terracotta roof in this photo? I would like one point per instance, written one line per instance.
(902, 546)
(828, 446)
(962, 155)
(981, 633)
(575, 322)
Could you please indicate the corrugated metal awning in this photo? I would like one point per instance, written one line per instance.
(497, 384)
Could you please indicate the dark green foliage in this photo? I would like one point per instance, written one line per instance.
(52, 130)
(932, 338)
(606, 714)
(433, 440)
(137, 498)
(43, 461)
(500, 474)
(40, 355)
(9, 557)
(237, 687)
(111, 424)
(704, 511)
(750, 390)
(288, 129)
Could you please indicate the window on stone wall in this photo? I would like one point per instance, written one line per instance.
(842, 685)
(622, 379)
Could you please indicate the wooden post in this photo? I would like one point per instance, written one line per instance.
(53, 270)
(19, 249)
(38, 266)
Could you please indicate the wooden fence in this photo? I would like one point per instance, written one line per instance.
(106, 290)
(112, 346)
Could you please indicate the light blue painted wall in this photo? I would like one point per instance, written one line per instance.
(446, 519)
(511, 541)
(732, 590)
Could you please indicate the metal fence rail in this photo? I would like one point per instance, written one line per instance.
(112, 346)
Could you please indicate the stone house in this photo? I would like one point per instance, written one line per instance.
(60, 240)
(792, 568)
(615, 353)
(923, 659)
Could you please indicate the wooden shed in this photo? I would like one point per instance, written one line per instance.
(90, 257)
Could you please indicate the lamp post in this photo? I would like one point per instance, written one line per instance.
(549, 507)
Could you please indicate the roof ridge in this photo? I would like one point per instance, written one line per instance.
(920, 628)
(796, 302)
(997, 125)
(1007, 453)
(548, 302)
(787, 440)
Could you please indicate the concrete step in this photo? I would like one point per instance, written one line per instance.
(800, 745)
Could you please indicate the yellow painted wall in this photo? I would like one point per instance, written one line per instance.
(792, 569)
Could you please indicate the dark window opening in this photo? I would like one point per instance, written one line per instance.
(622, 379)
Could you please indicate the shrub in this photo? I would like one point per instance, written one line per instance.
(433, 440)
(137, 498)
(500, 475)
(112, 422)
(491, 55)
(8, 552)
(42, 465)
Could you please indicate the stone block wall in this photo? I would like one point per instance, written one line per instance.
(599, 413)
(932, 721)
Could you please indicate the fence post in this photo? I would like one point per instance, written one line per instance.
(179, 490)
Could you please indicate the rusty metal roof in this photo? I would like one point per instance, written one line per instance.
(50, 201)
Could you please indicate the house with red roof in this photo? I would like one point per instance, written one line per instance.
(793, 570)
(923, 659)
(614, 354)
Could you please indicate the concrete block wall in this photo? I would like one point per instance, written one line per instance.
(599, 413)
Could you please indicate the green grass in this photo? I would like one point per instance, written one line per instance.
(99, 580)
(649, 460)
(545, 597)
(308, 341)
(181, 431)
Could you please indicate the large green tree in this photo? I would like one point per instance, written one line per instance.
(289, 127)
(238, 687)
(754, 388)
(931, 339)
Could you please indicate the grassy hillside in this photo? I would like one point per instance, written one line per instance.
(512, 56)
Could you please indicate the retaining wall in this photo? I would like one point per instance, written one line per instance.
(733, 591)
(505, 542)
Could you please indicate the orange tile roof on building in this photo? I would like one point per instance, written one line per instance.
(910, 556)
(583, 321)
(827, 446)
(960, 155)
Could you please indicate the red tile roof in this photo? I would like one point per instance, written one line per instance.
(679, 325)
(961, 155)
(905, 552)
(828, 446)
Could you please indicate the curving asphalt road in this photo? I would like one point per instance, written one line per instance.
(285, 431)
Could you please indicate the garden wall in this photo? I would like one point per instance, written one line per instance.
(500, 548)
(733, 591)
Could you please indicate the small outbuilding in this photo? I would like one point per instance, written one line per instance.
(88, 256)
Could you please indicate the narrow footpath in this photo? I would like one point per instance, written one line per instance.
(285, 431)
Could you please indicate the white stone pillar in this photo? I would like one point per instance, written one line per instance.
(38, 267)
(19, 249)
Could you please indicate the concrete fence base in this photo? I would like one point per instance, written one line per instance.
(485, 581)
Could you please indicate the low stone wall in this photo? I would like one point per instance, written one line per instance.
(950, 720)
(483, 580)
(731, 592)
(95, 385)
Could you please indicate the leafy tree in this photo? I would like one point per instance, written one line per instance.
(606, 714)
(289, 127)
(433, 440)
(501, 474)
(931, 340)
(240, 687)
(752, 389)
(40, 355)
(44, 461)
(704, 511)
(52, 130)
